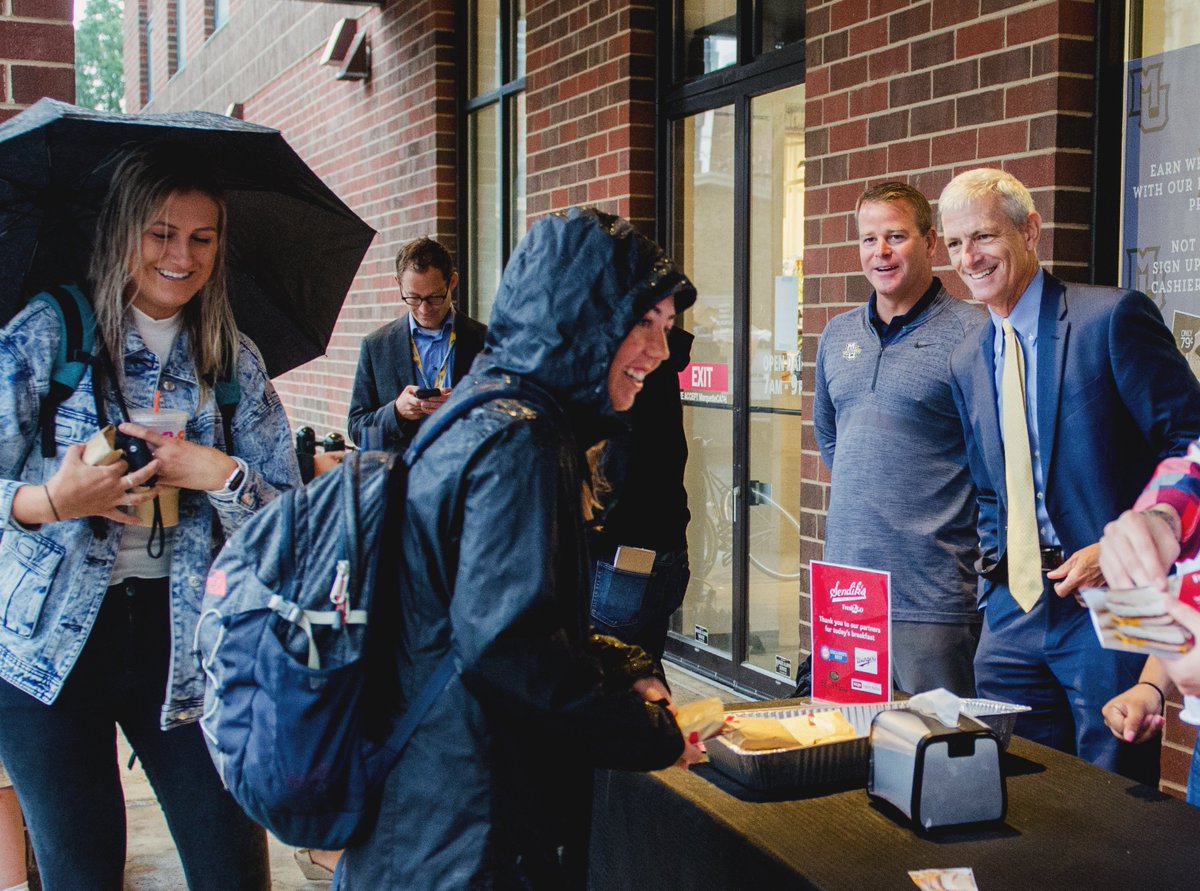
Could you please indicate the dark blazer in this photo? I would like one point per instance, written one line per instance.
(1115, 396)
(385, 368)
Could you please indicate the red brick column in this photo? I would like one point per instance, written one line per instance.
(920, 91)
(387, 148)
(37, 53)
(590, 107)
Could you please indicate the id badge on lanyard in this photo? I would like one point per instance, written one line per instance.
(440, 378)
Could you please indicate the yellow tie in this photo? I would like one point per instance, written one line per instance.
(1024, 551)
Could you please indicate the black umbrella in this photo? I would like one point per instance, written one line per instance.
(293, 246)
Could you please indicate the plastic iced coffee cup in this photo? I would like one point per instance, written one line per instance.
(165, 422)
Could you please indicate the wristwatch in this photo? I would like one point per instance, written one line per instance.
(235, 478)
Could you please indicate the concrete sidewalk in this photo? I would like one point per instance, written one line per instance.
(153, 865)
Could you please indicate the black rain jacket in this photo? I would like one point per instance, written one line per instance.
(494, 789)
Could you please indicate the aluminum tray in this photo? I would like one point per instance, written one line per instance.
(833, 763)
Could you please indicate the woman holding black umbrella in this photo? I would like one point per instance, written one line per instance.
(96, 616)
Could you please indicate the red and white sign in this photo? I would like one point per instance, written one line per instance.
(703, 377)
(851, 633)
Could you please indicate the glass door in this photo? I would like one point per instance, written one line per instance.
(776, 255)
(732, 212)
(737, 222)
(703, 225)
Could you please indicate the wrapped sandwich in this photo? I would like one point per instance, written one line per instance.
(1136, 620)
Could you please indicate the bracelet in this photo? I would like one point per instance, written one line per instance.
(1171, 522)
(50, 501)
(1162, 699)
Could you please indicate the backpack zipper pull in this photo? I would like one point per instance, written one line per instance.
(338, 593)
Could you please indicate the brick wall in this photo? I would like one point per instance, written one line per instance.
(590, 95)
(133, 54)
(385, 146)
(1178, 740)
(388, 150)
(921, 91)
(37, 53)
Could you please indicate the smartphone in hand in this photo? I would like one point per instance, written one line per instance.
(427, 392)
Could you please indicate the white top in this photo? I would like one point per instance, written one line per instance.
(133, 560)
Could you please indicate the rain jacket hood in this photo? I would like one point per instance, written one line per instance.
(571, 292)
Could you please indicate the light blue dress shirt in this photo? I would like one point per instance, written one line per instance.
(435, 350)
(1024, 319)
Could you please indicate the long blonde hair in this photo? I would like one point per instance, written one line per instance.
(597, 490)
(145, 179)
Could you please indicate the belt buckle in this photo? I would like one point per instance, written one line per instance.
(1052, 558)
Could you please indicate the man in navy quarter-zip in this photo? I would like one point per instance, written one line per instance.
(883, 400)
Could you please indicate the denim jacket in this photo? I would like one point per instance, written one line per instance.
(53, 577)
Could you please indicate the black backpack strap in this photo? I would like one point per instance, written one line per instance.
(430, 431)
(452, 411)
(229, 393)
(351, 544)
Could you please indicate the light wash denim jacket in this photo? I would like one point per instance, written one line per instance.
(53, 577)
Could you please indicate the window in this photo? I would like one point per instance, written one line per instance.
(220, 13)
(180, 8)
(492, 200)
(148, 48)
(709, 35)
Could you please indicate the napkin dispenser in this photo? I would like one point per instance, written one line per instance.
(934, 774)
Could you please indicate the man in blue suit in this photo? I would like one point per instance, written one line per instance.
(1097, 394)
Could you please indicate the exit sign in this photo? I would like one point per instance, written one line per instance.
(705, 378)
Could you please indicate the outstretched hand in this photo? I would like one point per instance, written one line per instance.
(1134, 716)
(1139, 547)
(1185, 671)
(653, 690)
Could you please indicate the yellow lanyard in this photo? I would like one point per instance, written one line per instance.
(441, 374)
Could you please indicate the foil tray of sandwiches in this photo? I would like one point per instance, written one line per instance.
(820, 744)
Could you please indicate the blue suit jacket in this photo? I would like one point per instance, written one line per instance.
(1115, 396)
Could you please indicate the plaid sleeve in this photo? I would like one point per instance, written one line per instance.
(1176, 482)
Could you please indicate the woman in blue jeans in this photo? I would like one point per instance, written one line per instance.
(97, 614)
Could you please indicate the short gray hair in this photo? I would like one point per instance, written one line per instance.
(987, 182)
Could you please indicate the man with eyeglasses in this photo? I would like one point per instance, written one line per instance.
(407, 368)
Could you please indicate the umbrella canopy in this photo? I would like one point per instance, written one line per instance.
(292, 249)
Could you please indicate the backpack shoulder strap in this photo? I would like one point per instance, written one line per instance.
(441, 420)
(228, 393)
(446, 668)
(76, 353)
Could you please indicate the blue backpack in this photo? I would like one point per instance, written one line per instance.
(297, 638)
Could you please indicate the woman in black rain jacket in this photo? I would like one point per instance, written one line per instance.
(494, 788)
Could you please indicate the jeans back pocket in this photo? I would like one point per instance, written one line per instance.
(618, 595)
(28, 563)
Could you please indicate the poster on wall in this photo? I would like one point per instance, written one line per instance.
(851, 634)
(1186, 328)
(1160, 232)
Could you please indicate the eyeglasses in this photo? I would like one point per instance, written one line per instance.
(432, 299)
